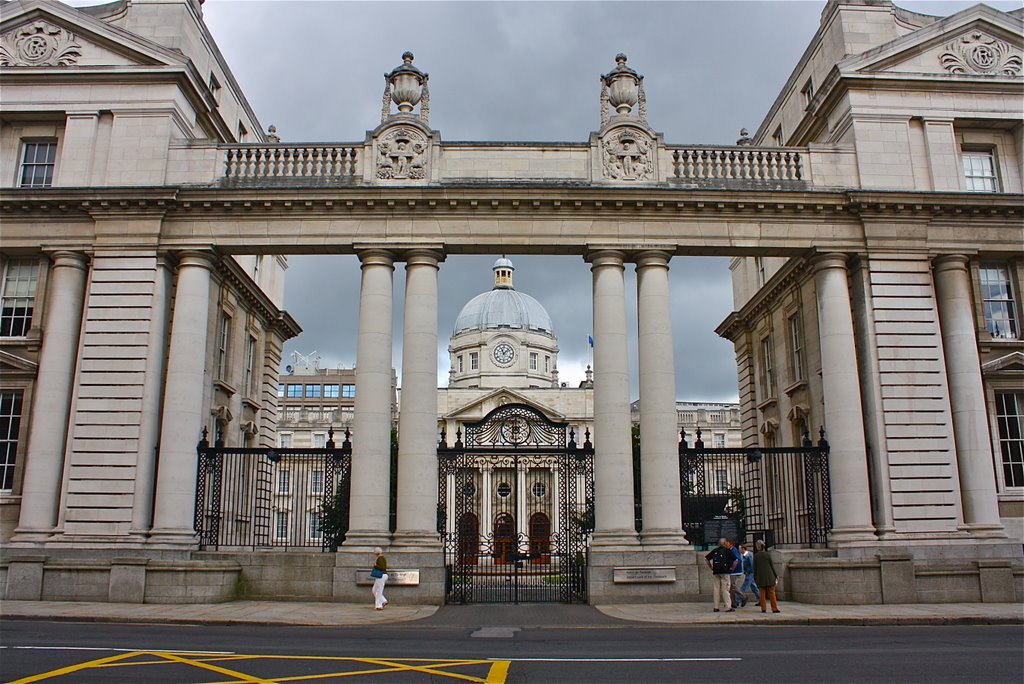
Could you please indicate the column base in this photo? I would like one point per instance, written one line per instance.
(664, 540)
(612, 540)
(985, 530)
(173, 539)
(365, 540)
(31, 536)
(416, 540)
(843, 535)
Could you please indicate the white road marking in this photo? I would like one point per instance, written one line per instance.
(616, 660)
(116, 650)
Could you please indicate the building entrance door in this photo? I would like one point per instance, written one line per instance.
(532, 486)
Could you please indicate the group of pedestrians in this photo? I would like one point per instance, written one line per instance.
(736, 572)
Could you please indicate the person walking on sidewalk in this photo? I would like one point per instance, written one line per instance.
(721, 561)
(748, 575)
(379, 573)
(765, 576)
(736, 579)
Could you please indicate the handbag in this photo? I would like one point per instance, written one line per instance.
(376, 573)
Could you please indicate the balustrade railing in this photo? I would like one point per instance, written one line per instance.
(739, 163)
(325, 163)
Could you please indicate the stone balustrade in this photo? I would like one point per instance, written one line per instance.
(257, 163)
(706, 164)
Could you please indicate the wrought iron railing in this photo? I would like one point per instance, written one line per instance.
(781, 495)
(259, 498)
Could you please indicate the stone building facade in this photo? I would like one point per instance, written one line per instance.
(874, 219)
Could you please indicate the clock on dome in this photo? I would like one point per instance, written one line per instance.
(504, 354)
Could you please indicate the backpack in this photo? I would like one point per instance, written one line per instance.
(722, 561)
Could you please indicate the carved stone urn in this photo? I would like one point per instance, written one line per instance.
(406, 84)
(623, 86)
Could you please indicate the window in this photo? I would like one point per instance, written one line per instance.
(281, 525)
(460, 363)
(223, 345)
(243, 132)
(718, 440)
(504, 489)
(250, 366)
(319, 440)
(331, 391)
(980, 171)
(316, 482)
(721, 481)
(348, 391)
(808, 93)
(294, 391)
(214, 87)
(777, 138)
(533, 360)
(312, 391)
(316, 530)
(280, 389)
(547, 363)
(796, 348)
(256, 268)
(283, 481)
(1009, 419)
(10, 425)
(759, 261)
(539, 490)
(17, 300)
(37, 162)
(767, 381)
(285, 440)
(474, 361)
(997, 298)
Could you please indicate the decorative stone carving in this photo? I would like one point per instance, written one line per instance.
(628, 154)
(979, 53)
(39, 44)
(402, 153)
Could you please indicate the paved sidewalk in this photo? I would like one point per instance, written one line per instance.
(346, 614)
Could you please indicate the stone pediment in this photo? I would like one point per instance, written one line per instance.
(52, 35)
(977, 42)
(1014, 361)
(12, 364)
(481, 406)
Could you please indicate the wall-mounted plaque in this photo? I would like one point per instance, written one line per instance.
(408, 578)
(647, 575)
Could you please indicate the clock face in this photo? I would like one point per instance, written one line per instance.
(503, 354)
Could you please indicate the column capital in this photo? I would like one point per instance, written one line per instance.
(423, 257)
(652, 257)
(951, 262)
(197, 257)
(828, 260)
(375, 256)
(605, 257)
(64, 258)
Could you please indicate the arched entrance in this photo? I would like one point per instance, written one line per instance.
(519, 456)
(540, 539)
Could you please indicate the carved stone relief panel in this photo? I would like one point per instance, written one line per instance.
(628, 154)
(402, 153)
(39, 44)
(979, 53)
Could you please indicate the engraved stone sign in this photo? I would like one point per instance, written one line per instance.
(409, 578)
(645, 575)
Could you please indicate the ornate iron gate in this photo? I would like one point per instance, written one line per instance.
(515, 509)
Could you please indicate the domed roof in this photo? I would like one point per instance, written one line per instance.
(503, 307)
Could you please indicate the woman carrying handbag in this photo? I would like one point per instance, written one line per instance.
(379, 573)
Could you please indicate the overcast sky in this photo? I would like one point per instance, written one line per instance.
(519, 71)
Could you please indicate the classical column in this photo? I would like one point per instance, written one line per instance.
(967, 397)
(613, 455)
(152, 396)
(844, 420)
(371, 427)
(659, 465)
(51, 402)
(417, 423)
(184, 390)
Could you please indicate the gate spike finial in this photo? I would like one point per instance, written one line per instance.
(330, 437)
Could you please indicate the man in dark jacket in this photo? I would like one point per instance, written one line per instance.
(722, 563)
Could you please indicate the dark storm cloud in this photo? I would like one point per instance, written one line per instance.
(518, 71)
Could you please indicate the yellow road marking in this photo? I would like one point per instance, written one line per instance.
(75, 668)
(240, 676)
(496, 674)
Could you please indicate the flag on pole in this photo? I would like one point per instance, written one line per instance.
(590, 339)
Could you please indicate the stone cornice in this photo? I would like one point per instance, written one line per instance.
(790, 275)
(229, 270)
